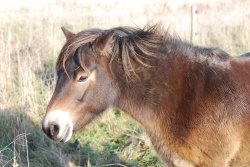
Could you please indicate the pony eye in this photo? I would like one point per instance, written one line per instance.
(82, 79)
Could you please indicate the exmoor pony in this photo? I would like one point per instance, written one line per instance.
(194, 102)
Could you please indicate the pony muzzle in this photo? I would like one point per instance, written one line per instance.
(58, 126)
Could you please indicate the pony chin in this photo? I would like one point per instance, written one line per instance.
(68, 137)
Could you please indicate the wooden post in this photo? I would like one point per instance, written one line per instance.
(193, 32)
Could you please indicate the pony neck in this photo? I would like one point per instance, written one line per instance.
(153, 100)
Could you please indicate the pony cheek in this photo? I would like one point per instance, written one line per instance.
(83, 117)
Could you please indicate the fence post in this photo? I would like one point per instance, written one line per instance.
(193, 32)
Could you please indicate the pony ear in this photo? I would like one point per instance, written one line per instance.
(68, 34)
(102, 44)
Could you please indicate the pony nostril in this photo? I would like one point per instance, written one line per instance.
(53, 130)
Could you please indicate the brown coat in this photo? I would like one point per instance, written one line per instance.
(194, 102)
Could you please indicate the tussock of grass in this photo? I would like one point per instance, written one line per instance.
(22, 143)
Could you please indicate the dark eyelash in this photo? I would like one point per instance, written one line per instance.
(82, 78)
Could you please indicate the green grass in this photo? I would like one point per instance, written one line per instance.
(103, 143)
(22, 142)
(120, 140)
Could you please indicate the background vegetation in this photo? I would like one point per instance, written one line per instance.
(30, 40)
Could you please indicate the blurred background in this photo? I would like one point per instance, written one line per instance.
(30, 41)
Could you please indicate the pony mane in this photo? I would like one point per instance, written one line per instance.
(130, 46)
(134, 49)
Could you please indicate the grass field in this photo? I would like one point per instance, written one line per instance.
(30, 40)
